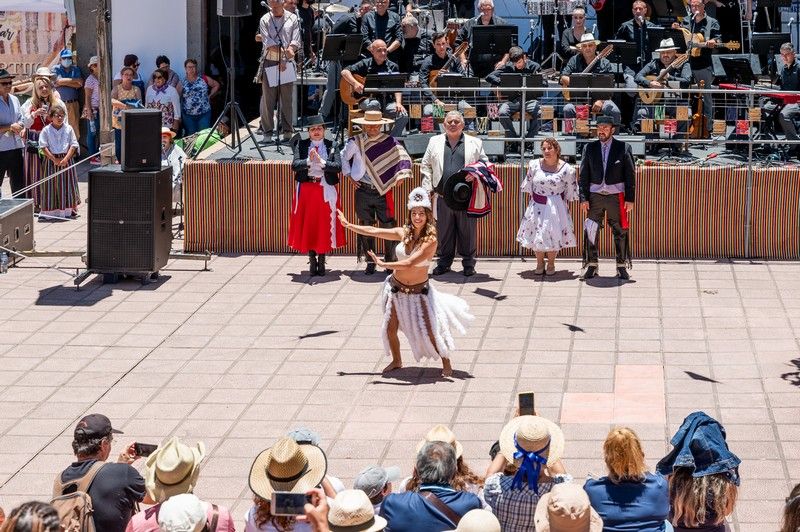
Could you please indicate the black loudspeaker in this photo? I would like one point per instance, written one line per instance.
(416, 144)
(234, 8)
(130, 220)
(495, 150)
(141, 140)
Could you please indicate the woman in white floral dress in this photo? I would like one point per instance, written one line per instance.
(546, 226)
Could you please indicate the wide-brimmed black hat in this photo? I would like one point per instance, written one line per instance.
(6, 74)
(603, 119)
(457, 192)
(315, 120)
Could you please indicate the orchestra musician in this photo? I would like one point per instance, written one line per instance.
(481, 62)
(789, 80)
(417, 45)
(436, 62)
(681, 77)
(572, 35)
(378, 64)
(700, 23)
(518, 63)
(634, 30)
(382, 24)
(578, 63)
(279, 33)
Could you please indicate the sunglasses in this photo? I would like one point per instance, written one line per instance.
(6, 83)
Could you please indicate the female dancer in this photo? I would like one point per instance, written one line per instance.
(410, 303)
(547, 226)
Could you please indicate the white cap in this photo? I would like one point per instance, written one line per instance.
(182, 513)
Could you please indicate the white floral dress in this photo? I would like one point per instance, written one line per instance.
(547, 224)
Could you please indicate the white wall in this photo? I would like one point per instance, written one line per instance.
(148, 28)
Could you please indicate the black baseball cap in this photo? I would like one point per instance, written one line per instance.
(6, 74)
(94, 426)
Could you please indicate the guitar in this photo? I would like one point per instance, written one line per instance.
(348, 94)
(695, 43)
(651, 96)
(699, 128)
(603, 54)
(434, 74)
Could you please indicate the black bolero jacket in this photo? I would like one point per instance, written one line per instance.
(333, 165)
(621, 168)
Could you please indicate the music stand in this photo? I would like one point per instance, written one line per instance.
(385, 81)
(668, 8)
(590, 81)
(341, 47)
(495, 40)
(518, 80)
(738, 70)
(656, 35)
(769, 44)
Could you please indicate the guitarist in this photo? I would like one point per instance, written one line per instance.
(518, 64)
(441, 61)
(378, 64)
(587, 48)
(681, 76)
(635, 30)
(709, 28)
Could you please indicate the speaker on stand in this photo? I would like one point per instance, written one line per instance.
(234, 8)
(141, 140)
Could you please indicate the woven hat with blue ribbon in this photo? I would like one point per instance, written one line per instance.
(531, 443)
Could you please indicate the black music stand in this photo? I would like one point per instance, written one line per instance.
(385, 81)
(738, 70)
(458, 86)
(518, 80)
(668, 8)
(590, 81)
(495, 40)
(656, 35)
(341, 47)
(624, 54)
(769, 44)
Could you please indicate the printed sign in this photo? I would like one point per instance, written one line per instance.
(29, 40)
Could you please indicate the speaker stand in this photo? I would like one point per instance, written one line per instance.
(232, 107)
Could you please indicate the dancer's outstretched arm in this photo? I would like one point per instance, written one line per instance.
(395, 233)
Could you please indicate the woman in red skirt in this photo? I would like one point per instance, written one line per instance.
(314, 227)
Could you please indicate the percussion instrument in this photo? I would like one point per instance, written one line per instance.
(565, 7)
(330, 7)
(453, 27)
(541, 7)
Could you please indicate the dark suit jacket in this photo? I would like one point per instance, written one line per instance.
(620, 169)
(333, 165)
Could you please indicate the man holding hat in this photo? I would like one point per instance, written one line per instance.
(11, 132)
(69, 82)
(607, 186)
(115, 488)
(587, 48)
(446, 155)
(174, 156)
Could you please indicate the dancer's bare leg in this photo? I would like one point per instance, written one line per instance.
(394, 342)
(447, 369)
(551, 262)
(539, 263)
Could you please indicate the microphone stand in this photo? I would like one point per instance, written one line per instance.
(278, 115)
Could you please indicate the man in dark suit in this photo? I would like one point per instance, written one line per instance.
(607, 187)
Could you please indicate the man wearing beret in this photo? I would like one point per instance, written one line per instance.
(607, 189)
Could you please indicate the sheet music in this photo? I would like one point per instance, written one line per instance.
(288, 75)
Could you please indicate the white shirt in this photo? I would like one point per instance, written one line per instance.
(175, 158)
(316, 169)
(357, 170)
(58, 141)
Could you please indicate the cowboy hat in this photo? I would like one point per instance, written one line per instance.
(352, 511)
(443, 434)
(666, 44)
(315, 120)
(287, 466)
(532, 433)
(457, 192)
(372, 118)
(586, 38)
(566, 508)
(173, 469)
(168, 131)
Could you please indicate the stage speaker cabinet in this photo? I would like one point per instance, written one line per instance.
(141, 140)
(234, 8)
(130, 220)
(416, 144)
(16, 224)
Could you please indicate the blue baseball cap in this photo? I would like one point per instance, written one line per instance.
(66, 52)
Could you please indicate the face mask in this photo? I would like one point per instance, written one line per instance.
(66, 63)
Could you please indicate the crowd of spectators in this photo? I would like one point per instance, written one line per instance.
(527, 487)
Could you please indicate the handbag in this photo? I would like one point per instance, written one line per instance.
(32, 146)
(441, 506)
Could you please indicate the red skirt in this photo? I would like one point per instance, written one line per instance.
(312, 225)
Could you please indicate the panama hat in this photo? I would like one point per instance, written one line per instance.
(586, 38)
(444, 434)
(167, 131)
(666, 44)
(372, 118)
(352, 511)
(566, 508)
(532, 433)
(173, 469)
(287, 466)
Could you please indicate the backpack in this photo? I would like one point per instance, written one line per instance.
(75, 508)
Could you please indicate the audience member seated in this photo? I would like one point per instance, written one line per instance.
(352, 510)
(566, 509)
(32, 516)
(303, 464)
(330, 484)
(376, 482)
(117, 488)
(527, 467)
(791, 512)
(478, 521)
(435, 505)
(183, 513)
(630, 497)
(173, 469)
(703, 475)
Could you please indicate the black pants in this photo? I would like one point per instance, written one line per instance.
(11, 162)
(372, 207)
(608, 205)
(455, 230)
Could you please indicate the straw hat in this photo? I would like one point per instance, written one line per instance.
(666, 45)
(352, 511)
(442, 433)
(478, 521)
(167, 131)
(287, 466)
(44, 72)
(372, 118)
(586, 38)
(173, 469)
(533, 433)
(566, 508)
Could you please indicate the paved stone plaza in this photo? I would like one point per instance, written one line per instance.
(239, 355)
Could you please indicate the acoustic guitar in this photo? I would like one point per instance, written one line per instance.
(603, 54)
(695, 43)
(651, 96)
(699, 128)
(434, 74)
(348, 94)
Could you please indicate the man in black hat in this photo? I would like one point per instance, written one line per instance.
(11, 130)
(607, 188)
(117, 488)
(446, 155)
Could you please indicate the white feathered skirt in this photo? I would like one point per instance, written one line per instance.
(416, 308)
